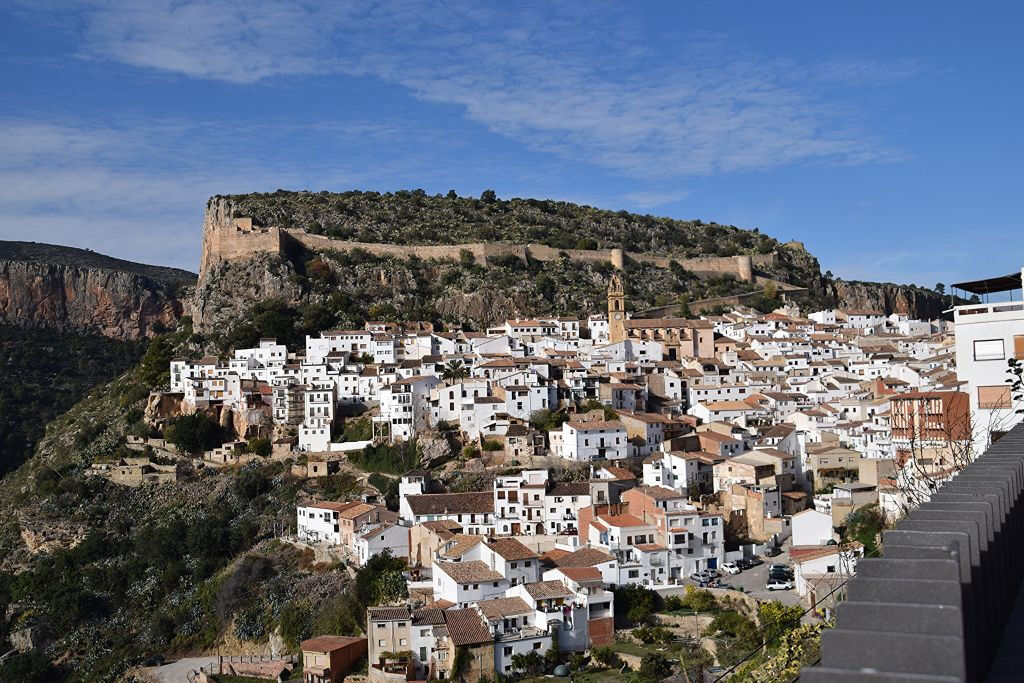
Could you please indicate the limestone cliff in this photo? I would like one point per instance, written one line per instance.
(888, 298)
(77, 290)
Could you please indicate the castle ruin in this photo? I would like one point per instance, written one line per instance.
(231, 238)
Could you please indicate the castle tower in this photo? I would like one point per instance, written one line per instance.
(616, 310)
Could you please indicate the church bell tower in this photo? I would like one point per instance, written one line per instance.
(616, 310)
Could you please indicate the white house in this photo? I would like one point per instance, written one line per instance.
(823, 568)
(811, 528)
(467, 582)
(318, 523)
(405, 406)
(590, 440)
(987, 335)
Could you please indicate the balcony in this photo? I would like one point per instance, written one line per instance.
(519, 633)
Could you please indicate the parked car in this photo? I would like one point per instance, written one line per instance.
(754, 560)
(780, 574)
(745, 563)
(772, 552)
(731, 568)
(779, 585)
(713, 572)
(701, 577)
(775, 566)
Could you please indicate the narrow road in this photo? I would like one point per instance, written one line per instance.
(177, 671)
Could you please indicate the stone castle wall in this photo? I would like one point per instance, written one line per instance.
(231, 239)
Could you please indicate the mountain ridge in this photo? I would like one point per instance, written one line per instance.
(44, 252)
(77, 290)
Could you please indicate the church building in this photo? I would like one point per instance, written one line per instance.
(680, 337)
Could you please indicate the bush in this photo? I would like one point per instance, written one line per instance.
(388, 488)
(491, 445)
(576, 661)
(395, 458)
(699, 600)
(339, 486)
(294, 624)
(260, 446)
(530, 664)
(360, 429)
(89, 433)
(194, 433)
(733, 624)
(606, 657)
(234, 593)
(636, 603)
(776, 618)
(654, 666)
(649, 635)
(545, 420)
(251, 483)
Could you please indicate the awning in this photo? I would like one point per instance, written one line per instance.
(1005, 283)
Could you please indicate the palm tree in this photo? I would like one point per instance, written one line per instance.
(454, 370)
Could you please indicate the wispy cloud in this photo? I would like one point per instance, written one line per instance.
(542, 75)
(136, 189)
(653, 198)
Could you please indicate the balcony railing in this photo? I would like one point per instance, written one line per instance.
(974, 312)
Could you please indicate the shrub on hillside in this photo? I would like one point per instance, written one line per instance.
(194, 433)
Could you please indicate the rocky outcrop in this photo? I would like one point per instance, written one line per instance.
(888, 298)
(79, 291)
(436, 449)
(228, 288)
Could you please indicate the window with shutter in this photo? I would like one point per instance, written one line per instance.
(994, 397)
(1018, 347)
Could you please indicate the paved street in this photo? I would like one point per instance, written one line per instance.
(752, 581)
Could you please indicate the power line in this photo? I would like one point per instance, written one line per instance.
(796, 620)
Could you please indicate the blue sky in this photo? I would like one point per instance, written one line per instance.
(885, 136)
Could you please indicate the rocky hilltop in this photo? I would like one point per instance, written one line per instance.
(473, 261)
(68, 289)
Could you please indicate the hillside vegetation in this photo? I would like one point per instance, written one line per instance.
(45, 373)
(414, 217)
(100, 576)
(344, 289)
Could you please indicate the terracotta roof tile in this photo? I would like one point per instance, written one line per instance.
(584, 557)
(511, 550)
(466, 627)
(451, 503)
(544, 590)
(473, 571)
(501, 608)
(328, 643)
